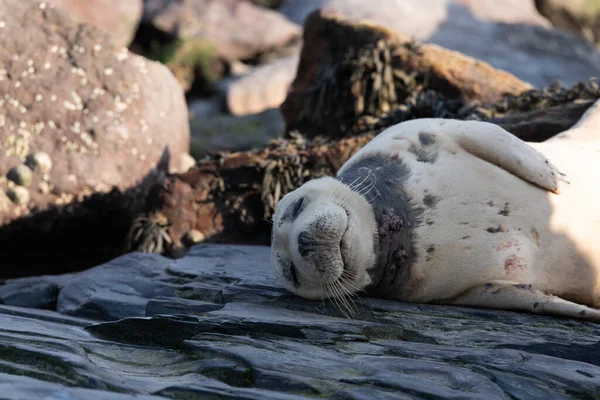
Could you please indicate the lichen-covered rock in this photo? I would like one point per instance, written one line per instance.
(237, 28)
(117, 17)
(509, 35)
(103, 117)
(217, 324)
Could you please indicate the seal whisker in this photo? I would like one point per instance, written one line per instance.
(352, 293)
(338, 299)
(334, 298)
(349, 306)
(369, 187)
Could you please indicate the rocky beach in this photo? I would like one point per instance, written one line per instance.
(144, 145)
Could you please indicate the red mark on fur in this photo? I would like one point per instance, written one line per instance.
(513, 262)
(507, 244)
(390, 222)
(536, 236)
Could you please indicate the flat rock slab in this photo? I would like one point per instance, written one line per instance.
(217, 324)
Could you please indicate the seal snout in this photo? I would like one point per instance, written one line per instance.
(318, 242)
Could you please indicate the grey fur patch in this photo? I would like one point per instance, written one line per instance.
(497, 229)
(523, 286)
(426, 139)
(424, 155)
(396, 217)
(430, 200)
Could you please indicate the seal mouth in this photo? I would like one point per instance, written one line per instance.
(344, 243)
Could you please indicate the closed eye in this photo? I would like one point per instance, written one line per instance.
(293, 210)
(288, 270)
(298, 207)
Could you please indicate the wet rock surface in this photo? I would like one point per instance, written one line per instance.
(216, 323)
(79, 115)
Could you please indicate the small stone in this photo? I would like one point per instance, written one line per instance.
(187, 162)
(21, 175)
(44, 187)
(193, 237)
(39, 161)
(19, 195)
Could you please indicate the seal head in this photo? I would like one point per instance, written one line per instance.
(323, 240)
(333, 237)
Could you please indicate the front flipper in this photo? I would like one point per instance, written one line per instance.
(497, 146)
(521, 297)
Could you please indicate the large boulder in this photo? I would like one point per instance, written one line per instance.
(117, 17)
(509, 35)
(238, 29)
(350, 69)
(217, 324)
(78, 114)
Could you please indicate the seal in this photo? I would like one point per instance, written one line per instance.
(454, 212)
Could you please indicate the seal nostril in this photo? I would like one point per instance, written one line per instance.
(306, 243)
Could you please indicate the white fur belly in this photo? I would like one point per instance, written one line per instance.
(481, 223)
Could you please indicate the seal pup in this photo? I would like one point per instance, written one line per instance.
(452, 212)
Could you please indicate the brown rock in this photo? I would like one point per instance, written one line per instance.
(237, 28)
(120, 18)
(367, 69)
(103, 117)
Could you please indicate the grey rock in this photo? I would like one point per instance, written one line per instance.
(217, 323)
(237, 28)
